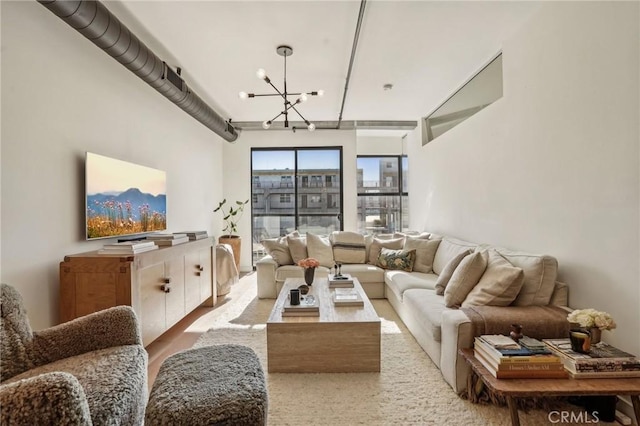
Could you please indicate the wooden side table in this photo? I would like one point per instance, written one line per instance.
(523, 388)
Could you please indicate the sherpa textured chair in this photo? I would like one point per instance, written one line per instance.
(89, 371)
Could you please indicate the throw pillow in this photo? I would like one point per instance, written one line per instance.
(377, 245)
(396, 259)
(298, 248)
(425, 252)
(447, 272)
(320, 248)
(278, 249)
(464, 278)
(498, 286)
(348, 247)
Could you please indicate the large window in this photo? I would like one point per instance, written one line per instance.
(383, 202)
(295, 188)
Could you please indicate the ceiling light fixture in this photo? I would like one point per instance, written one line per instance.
(288, 105)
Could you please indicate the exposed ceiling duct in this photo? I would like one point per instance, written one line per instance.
(94, 21)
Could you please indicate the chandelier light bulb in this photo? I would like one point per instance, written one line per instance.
(303, 97)
(266, 124)
(243, 95)
(261, 73)
(320, 93)
(311, 127)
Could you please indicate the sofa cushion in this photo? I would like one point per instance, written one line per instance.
(377, 245)
(427, 308)
(348, 247)
(396, 259)
(320, 248)
(401, 281)
(278, 249)
(464, 278)
(297, 248)
(498, 286)
(447, 250)
(425, 252)
(540, 273)
(448, 270)
(364, 272)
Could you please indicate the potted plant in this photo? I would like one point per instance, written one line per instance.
(231, 216)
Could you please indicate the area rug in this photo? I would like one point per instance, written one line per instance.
(409, 390)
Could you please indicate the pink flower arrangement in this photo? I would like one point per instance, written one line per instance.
(309, 262)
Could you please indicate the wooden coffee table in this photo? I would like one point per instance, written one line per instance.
(344, 339)
(523, 388)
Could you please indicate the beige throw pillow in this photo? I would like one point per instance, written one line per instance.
(498, 286)
(425, 252)
(278, 249)
(320, 248)
(377, 245)
(447, 272)
(348, 247)
(464, 278)
(298, 248)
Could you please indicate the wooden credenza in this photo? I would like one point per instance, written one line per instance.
(161, 285)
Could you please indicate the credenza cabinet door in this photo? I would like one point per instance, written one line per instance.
(153, 302)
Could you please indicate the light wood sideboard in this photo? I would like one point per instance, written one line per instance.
(161, 285)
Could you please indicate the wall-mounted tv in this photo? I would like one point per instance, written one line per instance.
(123, 198)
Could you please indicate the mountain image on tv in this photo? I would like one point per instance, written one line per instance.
(123, 198)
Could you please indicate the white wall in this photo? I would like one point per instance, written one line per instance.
(62, 96)
(553, 166)
(237, 171)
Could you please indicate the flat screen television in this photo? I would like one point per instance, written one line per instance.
(123, 198)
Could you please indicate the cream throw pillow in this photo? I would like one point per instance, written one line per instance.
(278, 250)
(377, 244)
(464, 278)
(498, 286)
(320, 248)
(447, 272)
(298, 248)
(348, 247)
(425, 252)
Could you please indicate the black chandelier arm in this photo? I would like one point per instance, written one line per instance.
(255, 95)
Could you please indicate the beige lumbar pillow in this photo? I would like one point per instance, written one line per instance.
(447, 271)
(425, 252)
(498, 286)
(298, 248)
(320, 248)
(378, 244)
(464, 278)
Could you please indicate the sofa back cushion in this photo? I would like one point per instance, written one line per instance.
(278, 249)
(297, 248)
(464, 278)
(378, 244)
(425, 252)
(348, 247)
(447, 250)
(447, 272)
(498, 286)
(320, 248)
(540, 272)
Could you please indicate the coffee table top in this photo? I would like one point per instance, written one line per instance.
(328, 312)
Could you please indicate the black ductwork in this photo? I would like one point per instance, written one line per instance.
(94, 21)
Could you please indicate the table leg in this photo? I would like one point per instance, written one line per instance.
(635, 399)
(513, 411)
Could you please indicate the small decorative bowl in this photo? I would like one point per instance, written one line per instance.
(304, 289)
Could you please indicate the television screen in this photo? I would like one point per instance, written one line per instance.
(123, 198)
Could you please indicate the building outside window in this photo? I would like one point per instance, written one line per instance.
(382, 194)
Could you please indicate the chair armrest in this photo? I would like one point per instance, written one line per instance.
(111, 327)
(47, 399)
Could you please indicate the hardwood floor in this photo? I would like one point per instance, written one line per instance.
(181, 336)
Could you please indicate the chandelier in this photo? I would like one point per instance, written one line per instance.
(288, 105)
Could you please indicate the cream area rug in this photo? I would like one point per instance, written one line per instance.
(409, 390)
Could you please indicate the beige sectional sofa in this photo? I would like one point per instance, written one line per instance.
(517, 286)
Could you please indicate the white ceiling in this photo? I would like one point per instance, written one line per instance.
(426, 49)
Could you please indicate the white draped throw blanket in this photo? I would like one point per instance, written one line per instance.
(226, 270)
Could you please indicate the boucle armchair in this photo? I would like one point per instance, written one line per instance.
(92, 370)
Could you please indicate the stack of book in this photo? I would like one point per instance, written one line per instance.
(195, 235)
(342, 280)
(506, 359)
(602, 361)
(128, 247)
(308, 307)
(347, 297)
(164, 240)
